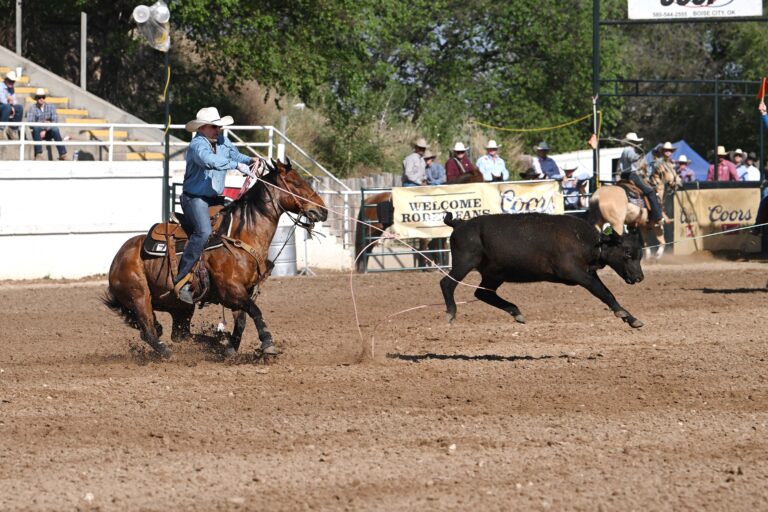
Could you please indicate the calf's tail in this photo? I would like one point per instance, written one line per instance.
(448, 219)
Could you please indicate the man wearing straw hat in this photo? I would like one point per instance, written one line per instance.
(491, 165)
(42, 112)
(210, 156)
(10, 110)
(726, 171)
(414, 168)
(630, 162)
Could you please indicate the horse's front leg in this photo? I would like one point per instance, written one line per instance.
(237, 332)
(267, 345)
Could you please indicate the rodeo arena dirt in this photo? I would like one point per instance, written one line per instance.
(573, 410)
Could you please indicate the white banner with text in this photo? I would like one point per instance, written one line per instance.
(668, 9)
(419, 211)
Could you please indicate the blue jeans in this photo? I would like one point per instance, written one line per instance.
(198, 225)
(5, 113)
(50, 133)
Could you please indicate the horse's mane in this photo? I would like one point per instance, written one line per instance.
(259, 197)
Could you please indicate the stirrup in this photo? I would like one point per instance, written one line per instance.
(181, 282)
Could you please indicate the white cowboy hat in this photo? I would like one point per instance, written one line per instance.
(428, 154)
(570, 167)
(208, 115)
(11, 75)
(420, 143)
(459, 147)
(669, 146)
(721, 151)
(39, 92)
(738, 152)
(491, 145)
(683, 159)
(632, 137)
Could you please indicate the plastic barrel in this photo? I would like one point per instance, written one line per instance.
(285, 262)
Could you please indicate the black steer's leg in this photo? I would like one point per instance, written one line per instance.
(489, 296)
(593, 283)
(462, 265)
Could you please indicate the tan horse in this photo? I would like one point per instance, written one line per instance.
(140, 284)
(610, 204)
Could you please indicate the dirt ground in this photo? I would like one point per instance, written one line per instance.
(572, 411)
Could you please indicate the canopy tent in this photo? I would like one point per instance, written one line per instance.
(696, 163)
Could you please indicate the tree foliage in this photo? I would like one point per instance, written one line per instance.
(429, 67)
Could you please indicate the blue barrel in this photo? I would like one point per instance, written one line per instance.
(285, 239)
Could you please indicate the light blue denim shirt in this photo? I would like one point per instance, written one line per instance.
(4, 93)
(492, 167)
(207, 170)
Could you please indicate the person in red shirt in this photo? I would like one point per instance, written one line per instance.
(459, 165)
(726, 171)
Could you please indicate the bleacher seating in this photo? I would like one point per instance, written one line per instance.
(70, 114)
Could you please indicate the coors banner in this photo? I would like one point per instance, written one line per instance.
(419, 211)
(682, 9)
(703, 212)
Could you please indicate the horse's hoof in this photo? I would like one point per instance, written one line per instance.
(519, 318)
(636, 323)
(450, 318)
(622, 314)
(163, 350)
(270, 350)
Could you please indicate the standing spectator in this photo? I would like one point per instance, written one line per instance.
(545, 167)
(414, 168)
(435, 172)
(631, 163)
(664, 161)
(726, 171)
(41, 112)
(459, 165)
(685, 173)
(753, 173)
(738, 162)
(10, 110)
(491, 165)
(570, 185)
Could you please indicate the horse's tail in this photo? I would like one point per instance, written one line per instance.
(128, 315)
(448, 219)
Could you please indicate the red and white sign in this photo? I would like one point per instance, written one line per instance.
(689, 9)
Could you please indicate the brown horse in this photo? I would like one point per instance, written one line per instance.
(365, 234)
(610, 204)
(140, 284)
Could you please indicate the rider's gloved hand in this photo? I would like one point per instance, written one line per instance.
(243, 168)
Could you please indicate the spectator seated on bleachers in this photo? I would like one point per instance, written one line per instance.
(10, 110)
(41, 112)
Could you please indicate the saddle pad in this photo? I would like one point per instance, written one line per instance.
(155, 243)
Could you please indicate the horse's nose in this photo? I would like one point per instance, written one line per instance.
(317, 214)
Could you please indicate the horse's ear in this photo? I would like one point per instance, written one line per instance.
(288, 165)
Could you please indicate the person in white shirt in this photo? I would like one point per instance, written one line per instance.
(491, 165)
(750, 172)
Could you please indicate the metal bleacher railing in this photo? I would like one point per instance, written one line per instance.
(110, 140)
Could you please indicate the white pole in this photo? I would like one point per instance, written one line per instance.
(83, 39)
(18, 27)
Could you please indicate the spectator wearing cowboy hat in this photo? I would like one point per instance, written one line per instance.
(42, 112)
(434, 171)
(737, 157)
(686, 173)
(210, 156)
(414, 167)
(545, 167)
(459, 164)
(10, 110)
(752, 172)
(665, 158)
(491, 165)
(726, 171)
